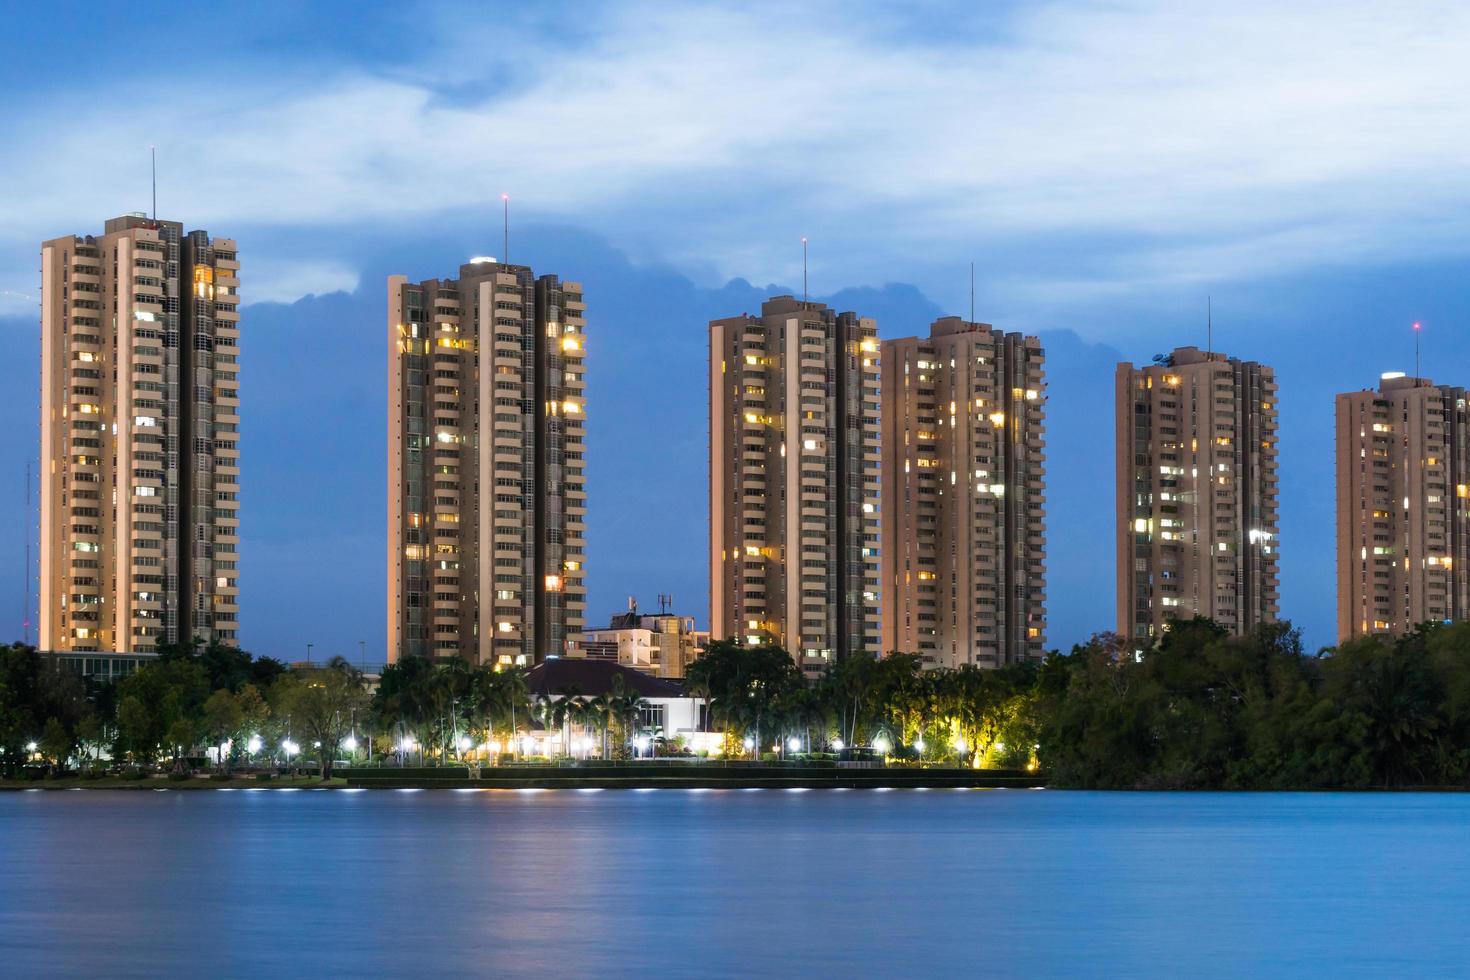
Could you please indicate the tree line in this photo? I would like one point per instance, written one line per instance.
(1200, 710)
(197, 701)
(1204, 710)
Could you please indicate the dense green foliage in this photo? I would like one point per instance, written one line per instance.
(194, 699)
(452, 710)
(1205, 710)
(1202, 710)
(980, 717)
(39, 702)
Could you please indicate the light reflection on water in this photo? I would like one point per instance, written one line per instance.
(678, 883)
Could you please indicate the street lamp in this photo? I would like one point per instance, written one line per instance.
(919, 745)
(350, 743)
(837, 745)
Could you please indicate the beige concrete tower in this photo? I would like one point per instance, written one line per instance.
(140, 405)
(794, 471)
(1196, 493)
(487, 493)
(964, 520)
(1403, 507)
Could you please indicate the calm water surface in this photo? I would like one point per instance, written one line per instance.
(732, 883)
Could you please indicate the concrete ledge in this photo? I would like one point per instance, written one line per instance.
(696, 777)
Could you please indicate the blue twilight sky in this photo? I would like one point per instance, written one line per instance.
(1106, 166)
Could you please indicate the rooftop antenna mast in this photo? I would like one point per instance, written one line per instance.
(26, 612)
(153, 156)
(1209, 325)
(972, 292)
(803, 270)
(505, 225)
(1417, 328)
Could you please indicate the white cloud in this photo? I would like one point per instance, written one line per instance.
(1286, 135)
(275, 281)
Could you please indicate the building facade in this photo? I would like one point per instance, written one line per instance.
(964, 483)
(487, 493)
(1403, 507)
(1196, 493)
(140, 462)
(659, 644)
(794, 472)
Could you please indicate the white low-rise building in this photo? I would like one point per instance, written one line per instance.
(668, 711)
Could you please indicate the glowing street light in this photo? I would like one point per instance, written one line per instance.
(837, 744)
(350, 743)
(254, 745)
(464, 743)
(749, 743)
(793, 743)
(881, 745)
(919, 744)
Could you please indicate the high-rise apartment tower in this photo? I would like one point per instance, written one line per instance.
(487, 493)
(964, 520)
(140, 464)
(1196, 493)
(1403, 507)
(794, 469)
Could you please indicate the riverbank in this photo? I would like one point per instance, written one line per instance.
(674, 775)
(158, 782)
(594, 776)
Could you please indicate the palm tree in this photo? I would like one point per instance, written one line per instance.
(627, 708)
(573, 710)
(555, 713)
(600, 711)
(516, 694)
(454, 680)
